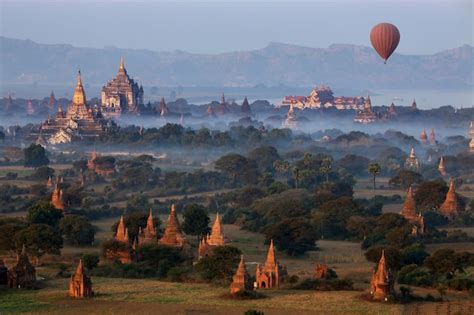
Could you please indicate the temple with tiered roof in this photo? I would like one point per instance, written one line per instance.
(80, 122)
(366, 115)
(121, 95)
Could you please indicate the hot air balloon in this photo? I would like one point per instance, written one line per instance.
(385, 38)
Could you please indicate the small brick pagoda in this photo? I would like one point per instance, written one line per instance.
(450, 207)
(272, 273)
(80, 285)
(409, 212)
(381, 284)
(57, 198)
(23, 274)
(239, 280)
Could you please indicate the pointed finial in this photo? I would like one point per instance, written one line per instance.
(79, 79)
(122, 63)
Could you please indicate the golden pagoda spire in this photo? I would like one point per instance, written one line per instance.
(79, 94)
(122, 64)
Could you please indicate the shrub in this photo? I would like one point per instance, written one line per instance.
(325, 285)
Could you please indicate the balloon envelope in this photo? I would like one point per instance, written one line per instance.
(385, 38)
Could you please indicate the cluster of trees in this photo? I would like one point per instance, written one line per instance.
(175, 134)
(44, 230)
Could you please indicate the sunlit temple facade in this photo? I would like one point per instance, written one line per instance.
(121, 95)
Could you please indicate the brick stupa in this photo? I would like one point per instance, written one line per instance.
(381, 283)
(450, 206)
(173, 235)
(239, 280)
(80, 285)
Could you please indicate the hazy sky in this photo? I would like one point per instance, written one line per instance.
(221, 26)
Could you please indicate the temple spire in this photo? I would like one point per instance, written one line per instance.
(449, 208)
(80, 268)
(122, 64)
(79, 96)
(409, 209)
(441, 167)
(270, 255)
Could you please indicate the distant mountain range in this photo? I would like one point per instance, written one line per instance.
(339, 65)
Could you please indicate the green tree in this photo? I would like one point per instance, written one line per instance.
(137, 203)
(195, 220)
(39, 239)
(264, 157)
(90, 261)
(8, 228)
(42, 173)
(77, 230)
(281, 166)
(405, 179)
(374, 170)
(219, 266)
(35, 156)
(430, 195)
(237, 167)
(296, 175)
(447, 262)
(44, 213)
(295, 236)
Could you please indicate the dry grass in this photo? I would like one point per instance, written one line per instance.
(125, 296)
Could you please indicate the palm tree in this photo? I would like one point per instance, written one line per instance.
(374, 169)
(296, 175)
(326, 166)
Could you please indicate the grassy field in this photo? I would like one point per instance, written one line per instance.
(124, 296)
